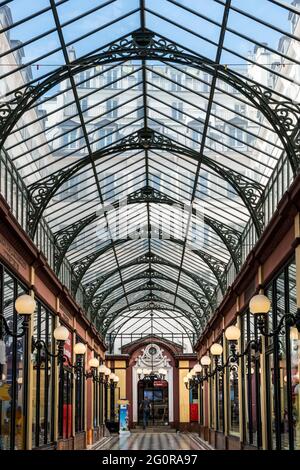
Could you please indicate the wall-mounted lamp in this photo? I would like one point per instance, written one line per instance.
(60, 334)
(25, 307)
(92, 373)
(260, 305)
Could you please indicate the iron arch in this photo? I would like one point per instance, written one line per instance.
(206, 287)
(41, 192)
(283, 118)
(65, 237)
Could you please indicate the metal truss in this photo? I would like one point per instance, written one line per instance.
(80, 267)
(104, 308)
(148, 45)
(144, 45)
(42, 191)
(64, 238)
(91, 288)
(148, 274)
(152, 303)
(230, 237)
(188, 329)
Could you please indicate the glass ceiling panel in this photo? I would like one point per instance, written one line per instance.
(216, 130)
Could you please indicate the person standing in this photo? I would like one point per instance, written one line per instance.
(145, 407)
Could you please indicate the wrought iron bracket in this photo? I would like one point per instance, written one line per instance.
(64, 238)
(231, 239)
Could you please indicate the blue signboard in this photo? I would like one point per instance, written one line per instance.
(124, 419)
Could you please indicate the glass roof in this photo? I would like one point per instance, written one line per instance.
(149, 130)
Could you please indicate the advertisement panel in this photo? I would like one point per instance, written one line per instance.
(124, 419)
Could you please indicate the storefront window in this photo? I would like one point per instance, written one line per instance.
(43, 380)
(294, 348)
(233, 402)
(251, 384)
(201, 403)
(295, 371)
(65, 413)
(283, 365)
(194, 412)
(13, 367)
(80, 396)
(219, 381)
(96, 399)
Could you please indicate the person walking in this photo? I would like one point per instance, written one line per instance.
(145, 407)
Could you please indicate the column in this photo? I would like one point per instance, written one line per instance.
(184, 393)
(29, 377)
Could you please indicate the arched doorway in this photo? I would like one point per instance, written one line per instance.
(157, 392)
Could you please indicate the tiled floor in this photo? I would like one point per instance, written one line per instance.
(151, 441)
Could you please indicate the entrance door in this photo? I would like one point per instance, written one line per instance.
(157, 393)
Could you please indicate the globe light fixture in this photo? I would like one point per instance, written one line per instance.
(216, 349)
(185, 379)
(197, 368)
(25, 305)
(102, 369)
(79, 349)
(94, 363)
(259, 305)
(232, 333)
(107, 372)
(205, 361)
(61, 333)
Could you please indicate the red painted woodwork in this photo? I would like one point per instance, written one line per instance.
(194, 412)
(67, 420)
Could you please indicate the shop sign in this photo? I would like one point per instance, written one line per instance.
(160, 383)
(9, 254)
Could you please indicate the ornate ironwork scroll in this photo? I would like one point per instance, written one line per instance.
(230, 237)
(283, 115)
(64, 238)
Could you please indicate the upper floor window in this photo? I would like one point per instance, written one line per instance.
(196, 137)
(205, 85)
(103, 137)
(177, 109)
(70, 140)
(240, 108)
(111, 77)
(70, 188)
(111, 108)
(83, 79)
(84, 104)
(237, 137)
(203, 183)
(71, 110)
(176, 82)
